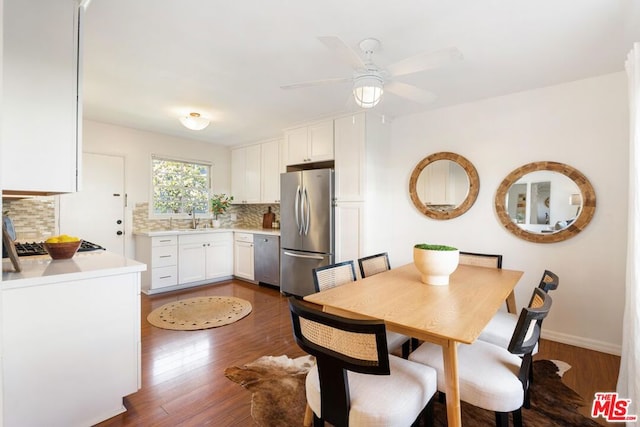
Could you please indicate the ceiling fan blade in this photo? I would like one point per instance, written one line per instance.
(341, 49)
(410, 92)
(425, 61)
(317, 83)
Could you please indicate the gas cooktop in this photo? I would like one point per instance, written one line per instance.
(34, 248)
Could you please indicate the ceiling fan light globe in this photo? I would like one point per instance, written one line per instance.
(194, 121)
(367, 91)
(367, 96)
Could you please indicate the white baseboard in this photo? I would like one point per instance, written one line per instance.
(590, 344)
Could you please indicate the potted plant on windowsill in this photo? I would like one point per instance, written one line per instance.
(435, 262)
(219, 205)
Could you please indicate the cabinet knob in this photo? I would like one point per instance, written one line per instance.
(119, 233)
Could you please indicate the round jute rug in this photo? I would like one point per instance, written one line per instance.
(192, 314)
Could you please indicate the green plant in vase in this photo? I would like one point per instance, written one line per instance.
(219, 205)
(430, 247)
(435, 262)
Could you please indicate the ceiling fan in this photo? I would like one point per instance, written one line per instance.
(370, 80)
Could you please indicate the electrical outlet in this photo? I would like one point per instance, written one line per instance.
(234, 217)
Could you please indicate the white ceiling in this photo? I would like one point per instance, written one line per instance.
(148, 61)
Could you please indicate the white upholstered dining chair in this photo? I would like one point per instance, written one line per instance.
(500, 328)
(333, 275)
(491, 377)
(355, 381)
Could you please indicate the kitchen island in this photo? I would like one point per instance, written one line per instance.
(71, 338)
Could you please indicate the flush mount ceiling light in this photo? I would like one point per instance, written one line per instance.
(368, 89)
(194, 121)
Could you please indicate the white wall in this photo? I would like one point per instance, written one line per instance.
(583, 124)
(136, 147)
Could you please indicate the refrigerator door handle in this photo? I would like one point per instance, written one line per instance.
(302, 210)
(303, 256)
(308, 212)
(296, 208)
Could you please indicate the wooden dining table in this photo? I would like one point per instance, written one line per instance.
(445, 315)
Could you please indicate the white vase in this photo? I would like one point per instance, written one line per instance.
(435, 266)
(215, 223)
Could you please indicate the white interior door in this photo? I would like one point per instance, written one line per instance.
(96, 213)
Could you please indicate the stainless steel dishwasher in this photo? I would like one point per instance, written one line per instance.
(266, 254)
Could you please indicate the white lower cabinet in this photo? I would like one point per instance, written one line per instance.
(243, 266)
(204, 256)
(71, 350)
(219, 257)
(160, 253)
(180, 261)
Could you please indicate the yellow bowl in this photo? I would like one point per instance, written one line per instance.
(64, 250)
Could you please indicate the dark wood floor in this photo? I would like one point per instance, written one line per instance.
(183, 382)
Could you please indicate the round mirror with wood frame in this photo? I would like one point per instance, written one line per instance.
(586, 210)
(455, 209)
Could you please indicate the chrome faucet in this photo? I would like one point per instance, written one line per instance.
(194, 222)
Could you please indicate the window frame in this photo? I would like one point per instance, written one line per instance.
(152, 186)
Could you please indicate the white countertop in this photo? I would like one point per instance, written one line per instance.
(269, 231)
(41, 269)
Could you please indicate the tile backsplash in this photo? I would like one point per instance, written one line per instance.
(34, 219)
(247, 216)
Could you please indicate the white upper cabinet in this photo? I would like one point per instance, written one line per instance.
(296, 150)
(245, 174)
(40, 100)
(361, 153)
(350, 159)
(306, 144)
(270, 172)
(255, 173)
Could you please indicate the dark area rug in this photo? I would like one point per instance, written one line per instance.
(278, 396)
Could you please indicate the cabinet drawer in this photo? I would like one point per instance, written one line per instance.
(164, 276)
(163, 256)
(244, 237)
(164, 241)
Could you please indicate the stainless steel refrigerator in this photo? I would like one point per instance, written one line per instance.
(306, 228)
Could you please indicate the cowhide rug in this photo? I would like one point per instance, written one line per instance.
(278, 395)
(277, 385)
